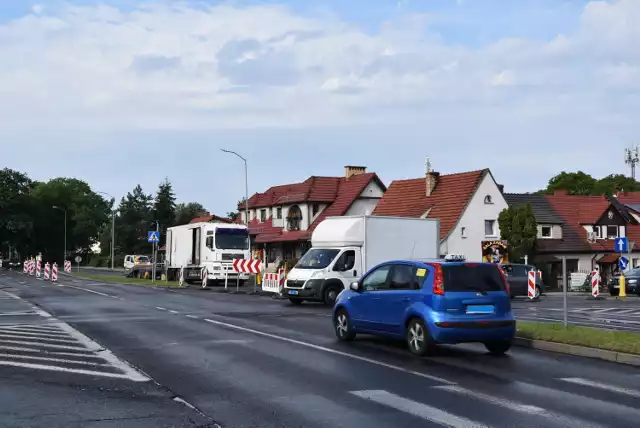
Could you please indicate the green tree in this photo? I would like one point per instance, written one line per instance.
(233, 215)
(614, 183)
(519, 228)
(164, 208)
(575, 183)
(134, 221)
(187, 212)
(86, 213)
(16, 222)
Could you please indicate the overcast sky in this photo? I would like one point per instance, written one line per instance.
(124, 92)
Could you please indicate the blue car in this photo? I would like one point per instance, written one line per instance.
(428, 303)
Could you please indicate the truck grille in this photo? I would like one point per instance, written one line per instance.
(292, 283)
(232, 256)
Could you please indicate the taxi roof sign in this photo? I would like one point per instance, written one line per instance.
(455, 257)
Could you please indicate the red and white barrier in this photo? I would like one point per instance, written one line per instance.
(204, 277)
(54, 272)
(246, 266)
(47, 271)
(595, 283)
(181, 278)
(38, 268)
(67, 266)
(25, 267)
(32, 267)
(273, 282)
(531, 284)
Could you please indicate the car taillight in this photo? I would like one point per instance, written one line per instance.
(438, 281)
(504, 279)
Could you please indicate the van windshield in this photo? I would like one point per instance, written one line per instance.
(317, 258)
(232, 239)
(472, 277)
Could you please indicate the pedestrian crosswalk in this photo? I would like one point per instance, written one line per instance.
(540, 406)
(32, 339)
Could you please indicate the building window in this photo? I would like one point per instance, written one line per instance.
(315, 208)
(545, 232)
(487, 199)
(612, 232)
(463, 232)
(279, 213)
(490, 228)
(263, 215)
(294, 218)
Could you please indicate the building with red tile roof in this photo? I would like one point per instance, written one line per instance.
(282, 218)
(582, 229)
(467, 205)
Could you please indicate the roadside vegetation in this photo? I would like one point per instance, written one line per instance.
(611, 340)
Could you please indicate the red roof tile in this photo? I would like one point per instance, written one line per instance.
(407, 198)
(210, 218)
(338, 191)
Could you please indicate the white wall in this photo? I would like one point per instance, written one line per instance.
(365, 204)
(473, 221)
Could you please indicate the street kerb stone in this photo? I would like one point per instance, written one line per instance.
(580, 351)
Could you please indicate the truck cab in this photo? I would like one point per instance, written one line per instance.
(132, 260)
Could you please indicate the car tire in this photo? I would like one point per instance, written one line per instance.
(295, 302)
(330, 295)
(342, 326)
(499, 347)
(418, 338)
(614, 292)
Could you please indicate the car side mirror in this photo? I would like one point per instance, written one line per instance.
(355, 286)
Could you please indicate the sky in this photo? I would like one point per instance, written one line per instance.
(126, 92)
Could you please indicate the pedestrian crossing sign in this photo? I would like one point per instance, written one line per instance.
(153, 237)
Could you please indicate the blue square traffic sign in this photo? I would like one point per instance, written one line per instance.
(621, 245)
(623, 263)
(153, 237)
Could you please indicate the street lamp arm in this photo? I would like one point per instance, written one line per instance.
(234, 153)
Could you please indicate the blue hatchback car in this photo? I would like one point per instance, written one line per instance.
(429, 303)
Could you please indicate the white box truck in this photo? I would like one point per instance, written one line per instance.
(344, 248)
(212, 246)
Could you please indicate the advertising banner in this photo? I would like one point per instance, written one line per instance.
(495, 252)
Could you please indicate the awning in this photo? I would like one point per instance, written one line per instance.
(609, 258)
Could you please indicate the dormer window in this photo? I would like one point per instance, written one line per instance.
(488, 200)
(545, 232)
(294, 218)
(612, 232)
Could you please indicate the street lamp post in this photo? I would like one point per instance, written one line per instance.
(113, 229)
(65, 231)
(246, 187)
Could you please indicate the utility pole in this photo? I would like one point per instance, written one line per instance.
(64, 256)
(631, 158)
(113, 228)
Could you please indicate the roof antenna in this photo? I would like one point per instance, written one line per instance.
(428, 164)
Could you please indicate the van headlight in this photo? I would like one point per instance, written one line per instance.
(633, 281)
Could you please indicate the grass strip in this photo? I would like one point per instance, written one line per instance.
(611, 340)
(116, 279)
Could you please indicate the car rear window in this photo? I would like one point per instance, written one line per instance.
(469, 277)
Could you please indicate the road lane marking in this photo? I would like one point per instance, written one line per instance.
(51, 359)
(18, 313)
(173, 312)
(20, 336)
(192, 317)
(522, 408)
(417, 409)
(602, 386)
(64, 369)
(329, 350)
(86, 289)
(161, 309)
(31, 333)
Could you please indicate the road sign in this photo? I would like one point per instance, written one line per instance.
(78, 259)
(623, 262)
(246, 266)
(153, 236)
(621, 245)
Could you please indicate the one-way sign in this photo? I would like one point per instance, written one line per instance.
(623, 262)
(621, 245)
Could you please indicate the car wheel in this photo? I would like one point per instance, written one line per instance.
(342, 326)
(499, 347)
(296, 302)
(418, 338)
(614, 292)
(330, 296)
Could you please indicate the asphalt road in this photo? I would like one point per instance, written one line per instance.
(251, 361)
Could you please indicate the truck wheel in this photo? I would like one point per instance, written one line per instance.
(330, 295)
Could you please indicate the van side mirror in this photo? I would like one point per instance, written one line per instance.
(355, 286)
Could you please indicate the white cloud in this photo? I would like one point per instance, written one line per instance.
(176, 66)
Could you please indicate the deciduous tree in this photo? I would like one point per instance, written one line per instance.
(164, 208)
(519, 228)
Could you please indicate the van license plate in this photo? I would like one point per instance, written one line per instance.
(294, 292)
(480, 309)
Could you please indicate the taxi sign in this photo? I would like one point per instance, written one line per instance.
(455, 258)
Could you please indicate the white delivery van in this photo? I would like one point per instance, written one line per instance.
(345, 248)
(212, 246)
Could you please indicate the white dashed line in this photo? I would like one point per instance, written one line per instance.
(192, 317)
(173, 312)
(160, 309)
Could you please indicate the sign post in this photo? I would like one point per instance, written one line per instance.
(565, 292)
(153, 237)
(621, 245)
(78, 260)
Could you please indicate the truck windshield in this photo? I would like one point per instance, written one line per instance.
(317, 258)
(232, 239)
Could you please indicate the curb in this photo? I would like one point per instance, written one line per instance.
(579, 351)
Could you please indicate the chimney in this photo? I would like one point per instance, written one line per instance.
(501, 188)
(350, 170)
(431, 178)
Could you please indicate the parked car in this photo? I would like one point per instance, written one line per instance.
(518, 280)
(632, 283)
(429, 303)
(11, 264)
